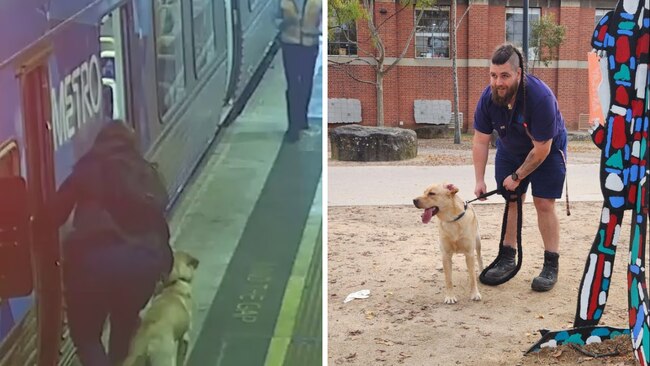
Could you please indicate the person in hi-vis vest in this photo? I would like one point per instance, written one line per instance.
(300, 28)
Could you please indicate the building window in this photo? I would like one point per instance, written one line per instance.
(203, 32)
(432, 33)
(112, 58)
(599, 14)
(515, 27)
(170, 65)
(342, 38)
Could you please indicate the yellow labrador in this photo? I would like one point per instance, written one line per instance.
(163, 336)
(458, 232)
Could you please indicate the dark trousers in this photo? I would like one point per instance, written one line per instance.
(110, 281)
(299, 62)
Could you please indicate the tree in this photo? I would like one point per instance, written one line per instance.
(454, 66)
(546, 36)
(343, 12)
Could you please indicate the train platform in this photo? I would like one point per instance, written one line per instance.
(252, 214)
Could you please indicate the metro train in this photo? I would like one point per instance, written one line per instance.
(176, 70)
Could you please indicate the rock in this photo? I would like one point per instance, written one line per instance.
(432, 132)
(578, 136)
(360, 143)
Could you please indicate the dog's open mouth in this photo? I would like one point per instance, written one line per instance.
(428, 214)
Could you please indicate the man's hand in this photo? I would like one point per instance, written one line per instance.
(510, 184)
(480, 189)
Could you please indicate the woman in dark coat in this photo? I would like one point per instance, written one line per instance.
(118, 246)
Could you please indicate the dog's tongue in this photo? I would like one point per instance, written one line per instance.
(427, 215)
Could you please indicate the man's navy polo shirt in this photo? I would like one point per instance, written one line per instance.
(542, 117)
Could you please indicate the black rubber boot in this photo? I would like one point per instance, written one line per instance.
(504, 267)
(547, 279)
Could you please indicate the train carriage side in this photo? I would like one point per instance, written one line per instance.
(164, 66)
(183, 82)
(252, 34)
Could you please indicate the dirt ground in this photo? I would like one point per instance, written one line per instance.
(404, 321)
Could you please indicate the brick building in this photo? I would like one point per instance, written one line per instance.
(425, 73)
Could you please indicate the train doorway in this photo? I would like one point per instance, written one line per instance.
(37, 117)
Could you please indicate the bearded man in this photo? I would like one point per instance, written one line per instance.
(531, 149)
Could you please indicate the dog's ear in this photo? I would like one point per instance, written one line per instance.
(453, 189)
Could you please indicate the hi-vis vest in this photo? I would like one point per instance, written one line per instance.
(299, 21)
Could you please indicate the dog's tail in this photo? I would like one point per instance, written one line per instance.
(478, 239)
(478, 224)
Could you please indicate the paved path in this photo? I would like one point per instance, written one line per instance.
(398, 185)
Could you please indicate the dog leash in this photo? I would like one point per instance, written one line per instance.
(466, 204)
(566, 182)
(484, 195)
(482, 277)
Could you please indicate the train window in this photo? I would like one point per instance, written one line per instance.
(9, 159)
(170, 65)
(203, 33)
(112, 64)
(252, 4)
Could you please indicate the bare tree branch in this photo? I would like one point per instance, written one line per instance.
(351, 60)
(406, 47)
(374, 33)
(392, 15)
(461, 18)
(385, 20)
(347, 37)
(382, 51)
(345, 69)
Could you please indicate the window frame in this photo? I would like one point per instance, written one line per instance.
(342, 43)
(209, 11)
(433, 35)
(602, 13)
(518, 10)
(123, 12)
(181, 35)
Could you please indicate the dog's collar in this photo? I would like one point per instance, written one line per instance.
(461, 214)
(180, 279)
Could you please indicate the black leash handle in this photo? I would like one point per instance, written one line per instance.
(484, 195)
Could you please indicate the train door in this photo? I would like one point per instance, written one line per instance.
(37, 115)
(16, 277)
(235, 47)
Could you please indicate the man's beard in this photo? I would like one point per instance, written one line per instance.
(505, 100)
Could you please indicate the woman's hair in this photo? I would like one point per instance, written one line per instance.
(115, 140)
(116, 132)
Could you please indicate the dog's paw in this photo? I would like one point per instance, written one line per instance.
(450, 299)
(476, 296)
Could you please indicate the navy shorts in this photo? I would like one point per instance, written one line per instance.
(547, 180)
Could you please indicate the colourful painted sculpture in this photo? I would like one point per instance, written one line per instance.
(622, 40)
